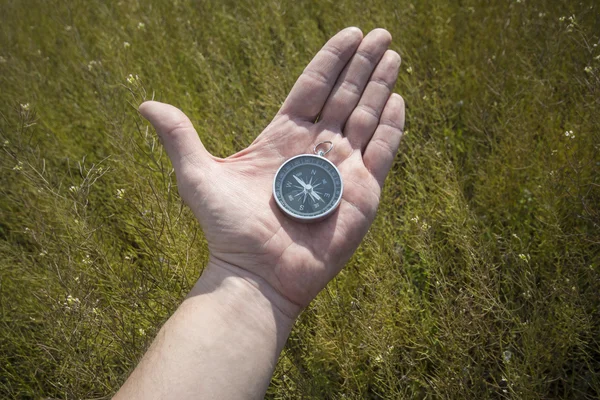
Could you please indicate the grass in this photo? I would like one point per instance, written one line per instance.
(479, 278)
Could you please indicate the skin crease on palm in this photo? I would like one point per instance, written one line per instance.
(345, 96)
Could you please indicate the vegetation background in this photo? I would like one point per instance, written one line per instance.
(479, 279)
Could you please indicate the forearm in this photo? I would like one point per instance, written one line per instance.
(223, 342)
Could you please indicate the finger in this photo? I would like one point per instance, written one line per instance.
(365, 118)
(381, 149)
(177, 134)
(351, 83)
(312, 88)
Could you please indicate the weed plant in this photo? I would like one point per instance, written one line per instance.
(480, 278)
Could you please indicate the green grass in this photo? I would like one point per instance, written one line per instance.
(480, 277)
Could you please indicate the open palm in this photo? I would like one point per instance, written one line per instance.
(348, 87)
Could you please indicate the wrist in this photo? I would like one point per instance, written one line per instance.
(246, 298)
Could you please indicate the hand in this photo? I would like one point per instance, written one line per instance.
(348, 86)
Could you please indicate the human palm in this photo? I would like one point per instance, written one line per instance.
(348, 87)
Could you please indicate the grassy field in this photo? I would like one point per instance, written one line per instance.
(480, 277)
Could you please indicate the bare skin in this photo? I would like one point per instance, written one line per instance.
(265, 268)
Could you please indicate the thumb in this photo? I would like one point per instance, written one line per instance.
(177, 133)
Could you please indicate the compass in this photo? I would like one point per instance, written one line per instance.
(307, 187)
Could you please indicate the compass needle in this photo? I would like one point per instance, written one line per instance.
(300, 181)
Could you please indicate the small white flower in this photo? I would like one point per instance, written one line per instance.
(409, 70)
(6, 142)
(74, 189)
(91, 65)
(141, 25)
(43, 253)
(131, 79)
(541, 15)
(25, 107)
(18, 167)
(507, 355)
(68, 28)
(415, 219)
(570, 134)
(588, 69)
(562, 19)
(425, 226)
(142, 332)
(72, 302)
(86, 260)
(126, 45)
(120, 193)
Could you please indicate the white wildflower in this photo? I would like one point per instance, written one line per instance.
(588, 69)
(71, 302)
(92, 64)
(6, 142)
(142, 332)
(68, 28)
(74, 189)
(25, 107)
(132, 79)
(18, 167)
(126, 45)
(562, 19)
(86, 260)
(507, 355)
(409, 70)
(570, 134)
(415, 219)
(141, 25)
(120, 193)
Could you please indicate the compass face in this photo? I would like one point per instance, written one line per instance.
(308, 188)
